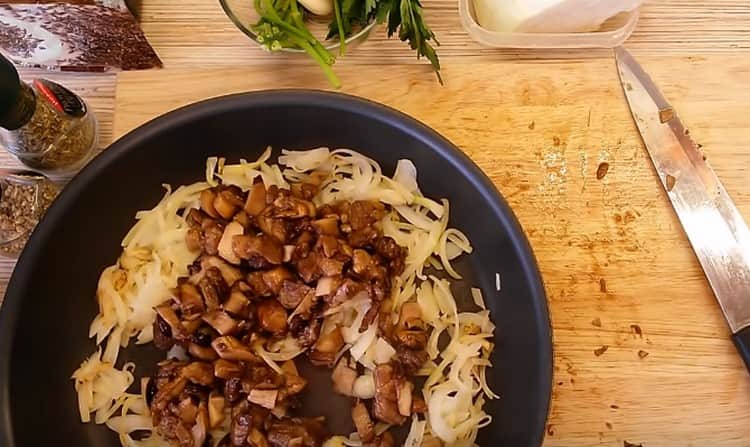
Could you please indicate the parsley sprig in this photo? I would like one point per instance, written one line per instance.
(282, 25)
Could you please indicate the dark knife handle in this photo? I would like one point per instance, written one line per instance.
(742, 342)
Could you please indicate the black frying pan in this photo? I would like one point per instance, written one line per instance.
(50, 302)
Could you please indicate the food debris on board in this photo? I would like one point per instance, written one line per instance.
(599, 351)
(637, 331)
(601, 170)
(265, 266)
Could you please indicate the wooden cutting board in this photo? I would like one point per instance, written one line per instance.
(642, 352)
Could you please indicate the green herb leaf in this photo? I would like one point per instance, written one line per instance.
(409, 21)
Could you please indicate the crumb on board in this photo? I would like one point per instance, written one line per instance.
(629, 444)
(642, 354)
(609, 425)
(670, 181)
(603, 285)
(614, 407)
(602, 170)
(596, 322)
(666, 114)
(556, 140)
(636, 330)
(600, 351)
(531, 125)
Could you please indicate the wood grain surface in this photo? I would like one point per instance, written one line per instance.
(197, 33)
(619, 272)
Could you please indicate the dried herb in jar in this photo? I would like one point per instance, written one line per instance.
(46, 126)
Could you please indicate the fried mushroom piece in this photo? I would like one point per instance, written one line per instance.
(259, 251)
(300, 432)
(363, 423)
(385, 407)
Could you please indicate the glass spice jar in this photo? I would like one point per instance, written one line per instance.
(46, 126)
(24, 197)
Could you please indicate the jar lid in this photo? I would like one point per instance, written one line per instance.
(10, 92)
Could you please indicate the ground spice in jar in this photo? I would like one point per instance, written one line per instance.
(23, 201)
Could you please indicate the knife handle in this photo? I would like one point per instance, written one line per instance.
(742, 342)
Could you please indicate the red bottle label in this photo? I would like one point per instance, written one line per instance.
(60, 98)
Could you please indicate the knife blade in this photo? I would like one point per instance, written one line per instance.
(716, 230)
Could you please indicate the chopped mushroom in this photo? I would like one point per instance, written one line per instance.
(162, 334)
(275, 278)
(418, 405)
(221, 321)
(201, 373)
(363, 423)
(230, 273)
(207, 202)
(292, 293)
(224, 369)
(264, 398)
(190, 300)
(169, 316)
(327, 225)
(385, 407)
(431, 441)
(272, 316)
(229, 348)
(404, 398)
(257, 439)
(213, 287)
(202, 352)
(228, 201)
(328, 345)
(240, 428)
(274, 228)
(256, 199)
(200, 429)
(211, 232)
(237, 303)
(299, 432)
(286, 206)
(225, 244)
(248, 246)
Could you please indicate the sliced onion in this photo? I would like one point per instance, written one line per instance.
(363, 342)
(364, 387)
(416, 433)
(476, 294)
(384, 352)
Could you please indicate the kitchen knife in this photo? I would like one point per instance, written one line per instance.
(714, 226)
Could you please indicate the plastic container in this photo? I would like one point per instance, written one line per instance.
(612, 33)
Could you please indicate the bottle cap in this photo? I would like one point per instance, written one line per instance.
(12, 114)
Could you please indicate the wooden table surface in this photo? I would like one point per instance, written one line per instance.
(618, 269)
